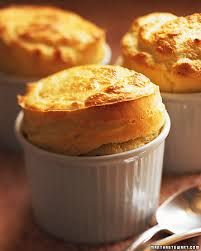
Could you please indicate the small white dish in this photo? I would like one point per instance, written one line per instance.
(94, 199)
(183, 145)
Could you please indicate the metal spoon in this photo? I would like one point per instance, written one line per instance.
(180, 213)
(176, 238)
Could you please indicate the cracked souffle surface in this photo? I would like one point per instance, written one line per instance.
(36, 41)
(92, 110)
(167, 49)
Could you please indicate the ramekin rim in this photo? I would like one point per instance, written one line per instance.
(19, 80)
(131, 153)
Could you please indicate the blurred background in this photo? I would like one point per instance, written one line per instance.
(116, 16)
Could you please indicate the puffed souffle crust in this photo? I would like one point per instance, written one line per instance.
(92, 110)
(167, 49)
(36, 41)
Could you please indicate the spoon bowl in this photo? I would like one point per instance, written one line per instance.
(181, 212)
(178, 214)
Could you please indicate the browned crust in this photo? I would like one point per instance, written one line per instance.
(42, 40)
(132, 109)
(167, 49)
(86, 86)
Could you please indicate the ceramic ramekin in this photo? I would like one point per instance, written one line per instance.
(183, 145)
(94, 199)
(10, 87)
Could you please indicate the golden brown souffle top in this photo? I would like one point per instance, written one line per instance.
(167, 49)
(83, 108)
(36, 41)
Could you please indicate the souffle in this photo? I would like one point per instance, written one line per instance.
(167, 49)
(92, 110)
(36, 41)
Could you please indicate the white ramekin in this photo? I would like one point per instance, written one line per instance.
(10, 87)
(183, 145)
(94, 199)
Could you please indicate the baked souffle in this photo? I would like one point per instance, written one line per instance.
(36, 41)
(167, 49)
(92, 110)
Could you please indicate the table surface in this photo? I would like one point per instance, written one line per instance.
(17, 229)
(18, 232)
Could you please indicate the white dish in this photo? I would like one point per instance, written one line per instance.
(94, 199)
(183, 145)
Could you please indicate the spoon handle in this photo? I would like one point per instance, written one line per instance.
(144, 237)
(176, 237)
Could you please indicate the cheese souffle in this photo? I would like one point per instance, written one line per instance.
(36, 41)
(167, 49)
(92, 110)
